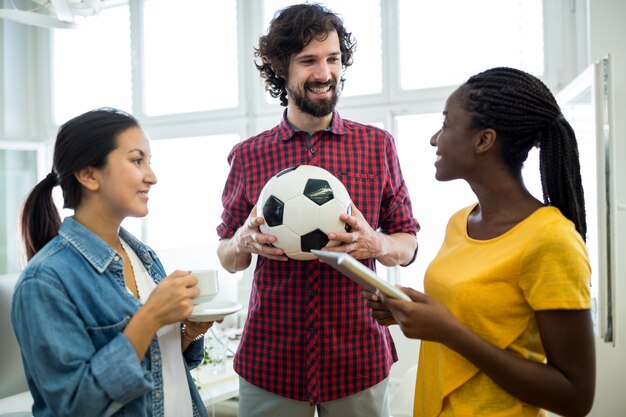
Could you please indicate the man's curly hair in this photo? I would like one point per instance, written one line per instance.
(290, 31)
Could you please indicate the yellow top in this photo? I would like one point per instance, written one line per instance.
(494, 287)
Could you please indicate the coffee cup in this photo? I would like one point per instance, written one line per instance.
(207, 284)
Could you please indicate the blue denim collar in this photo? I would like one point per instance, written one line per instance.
(96, 251)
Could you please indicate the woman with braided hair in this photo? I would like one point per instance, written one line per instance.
(505, 319)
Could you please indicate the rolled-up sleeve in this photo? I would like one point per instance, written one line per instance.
(236, 206)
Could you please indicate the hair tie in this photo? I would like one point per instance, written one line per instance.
(53, 178)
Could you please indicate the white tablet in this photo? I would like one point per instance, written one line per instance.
(359, 273)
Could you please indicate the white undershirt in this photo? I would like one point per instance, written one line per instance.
(177, 399)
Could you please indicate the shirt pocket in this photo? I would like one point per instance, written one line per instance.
(366, 192)
(102, 335)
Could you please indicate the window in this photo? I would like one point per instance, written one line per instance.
(21, 164)
(91, 65)
(433, 201)
(449, 40)
(192, 85)
(182, 76)
(185, 204)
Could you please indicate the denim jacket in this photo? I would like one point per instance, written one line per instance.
(69, 310)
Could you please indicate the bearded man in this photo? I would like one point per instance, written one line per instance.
(309, 341)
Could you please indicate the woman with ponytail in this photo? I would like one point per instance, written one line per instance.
(101, 328)
(505, 319)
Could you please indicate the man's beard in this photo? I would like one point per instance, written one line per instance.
(316, 108)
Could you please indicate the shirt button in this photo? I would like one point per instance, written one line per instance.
(312, 293)
(116, 258)
(155, 357)
(157, 395)
(311, 329)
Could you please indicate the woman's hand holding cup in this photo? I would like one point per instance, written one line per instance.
(172, 299)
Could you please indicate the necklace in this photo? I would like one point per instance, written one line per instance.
(129, 273)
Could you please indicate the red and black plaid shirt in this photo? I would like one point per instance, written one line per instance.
(309, 335)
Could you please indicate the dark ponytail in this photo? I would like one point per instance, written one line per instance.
(524, 113)
(40, 218)
(83, 141)
(560, 173)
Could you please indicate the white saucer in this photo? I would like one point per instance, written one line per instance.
(214, 310)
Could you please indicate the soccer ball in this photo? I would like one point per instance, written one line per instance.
(301, 205)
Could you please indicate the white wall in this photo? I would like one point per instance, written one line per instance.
(607, 34)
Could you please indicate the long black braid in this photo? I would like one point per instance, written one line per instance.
(524, 113)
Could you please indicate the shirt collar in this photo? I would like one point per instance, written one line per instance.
(95, 250)
(287, 129)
